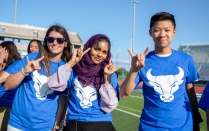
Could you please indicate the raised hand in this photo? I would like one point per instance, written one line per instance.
(77, 56)
(110, 69)
(32, 65)
(137, 61)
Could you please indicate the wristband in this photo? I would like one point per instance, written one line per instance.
(24, 73)
(56, 127)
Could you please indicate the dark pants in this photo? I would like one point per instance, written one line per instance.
(4, 117)
(90, 126)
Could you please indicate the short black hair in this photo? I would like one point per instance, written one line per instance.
(161, 16)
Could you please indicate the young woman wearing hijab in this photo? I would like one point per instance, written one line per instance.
(93, 85)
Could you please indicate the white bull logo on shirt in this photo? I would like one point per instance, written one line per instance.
(86, 94)
(166, 85)
(41, 86)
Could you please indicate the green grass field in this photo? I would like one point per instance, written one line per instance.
(126, 116)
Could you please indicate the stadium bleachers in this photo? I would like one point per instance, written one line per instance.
(200, 54)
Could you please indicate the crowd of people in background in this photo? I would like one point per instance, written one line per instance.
(55, 82)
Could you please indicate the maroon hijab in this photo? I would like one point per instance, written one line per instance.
(89, 73)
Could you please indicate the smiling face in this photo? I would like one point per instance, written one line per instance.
(162, 33)
(99, 51)
(34, 47)
(6, 53)
(55, 48)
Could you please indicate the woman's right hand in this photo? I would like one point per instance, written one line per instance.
(77, 56)
(138, 61)
(32, 65)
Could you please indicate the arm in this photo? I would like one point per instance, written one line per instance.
(14, 80)
(128, 84)
(193, 101)
(137, 63)
(3, 76)
(59, 79)
(108, 94)
(7, 72)
(109, 99)
(61, 110)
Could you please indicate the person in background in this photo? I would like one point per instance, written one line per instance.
(3, 57)
(204, 103)
(35, 105)
(92, 84)
(34, 46)
(168, 78)
(9, 57)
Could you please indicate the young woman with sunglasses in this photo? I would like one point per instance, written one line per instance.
(93, 86)
(35, 105)
(9, 57)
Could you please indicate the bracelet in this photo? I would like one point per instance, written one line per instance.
(56, 127)
(24, 73)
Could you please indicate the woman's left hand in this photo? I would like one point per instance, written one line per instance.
(109, 70)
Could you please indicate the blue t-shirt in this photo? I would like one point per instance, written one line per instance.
(35, 104)
(7, 96)
(204, 100)
(83, 104)
(166, 103)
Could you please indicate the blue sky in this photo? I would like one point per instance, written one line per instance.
(113, 18)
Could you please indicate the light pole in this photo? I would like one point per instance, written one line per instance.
(117, 60)
(133, 33)
(15, 11)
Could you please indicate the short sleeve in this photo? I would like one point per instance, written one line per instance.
(137, 79)
(193, 75)
(204, 100)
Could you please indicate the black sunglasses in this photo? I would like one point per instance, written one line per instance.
(59, 40)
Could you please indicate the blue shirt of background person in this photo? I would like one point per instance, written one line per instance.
(204, 103)
(7, 96)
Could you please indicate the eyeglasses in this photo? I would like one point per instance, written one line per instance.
(59, 40)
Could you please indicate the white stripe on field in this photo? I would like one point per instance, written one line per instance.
(137, 97)
(128, 112)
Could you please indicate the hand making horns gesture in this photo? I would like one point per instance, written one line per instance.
(77, 56)
(32, 65)
(137, 61)
(110, 69)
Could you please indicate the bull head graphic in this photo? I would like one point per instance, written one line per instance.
(166, 85)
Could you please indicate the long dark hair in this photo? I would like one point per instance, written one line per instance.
(67, 53)
(13, 54)
(38, 42)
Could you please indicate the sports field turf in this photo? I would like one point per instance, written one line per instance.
(126, 116)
